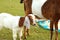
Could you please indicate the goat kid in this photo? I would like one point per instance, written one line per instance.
(16, 23)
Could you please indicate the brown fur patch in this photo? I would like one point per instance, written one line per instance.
(50, 10)
(27, 6)
(21, 21)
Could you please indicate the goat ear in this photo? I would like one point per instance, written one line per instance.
(21, 21)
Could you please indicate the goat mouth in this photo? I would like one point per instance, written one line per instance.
(33, 24)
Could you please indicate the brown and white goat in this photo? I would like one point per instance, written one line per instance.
(46, 9)
(16, 23)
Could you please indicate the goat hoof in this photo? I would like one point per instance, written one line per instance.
(25, 38)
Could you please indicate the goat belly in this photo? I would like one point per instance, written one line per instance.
(36, 7)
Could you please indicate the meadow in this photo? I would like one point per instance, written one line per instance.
(15, 8)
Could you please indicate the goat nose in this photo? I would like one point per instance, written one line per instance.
(34, 24)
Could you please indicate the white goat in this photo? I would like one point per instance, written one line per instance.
(12, 22)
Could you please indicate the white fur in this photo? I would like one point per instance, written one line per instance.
(27, 22)
(11, 22)
(2, 16)
(36, 7)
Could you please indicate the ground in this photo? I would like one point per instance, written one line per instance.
(15, 8)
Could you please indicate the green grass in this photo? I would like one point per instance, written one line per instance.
(11, 6)
(15, 8)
